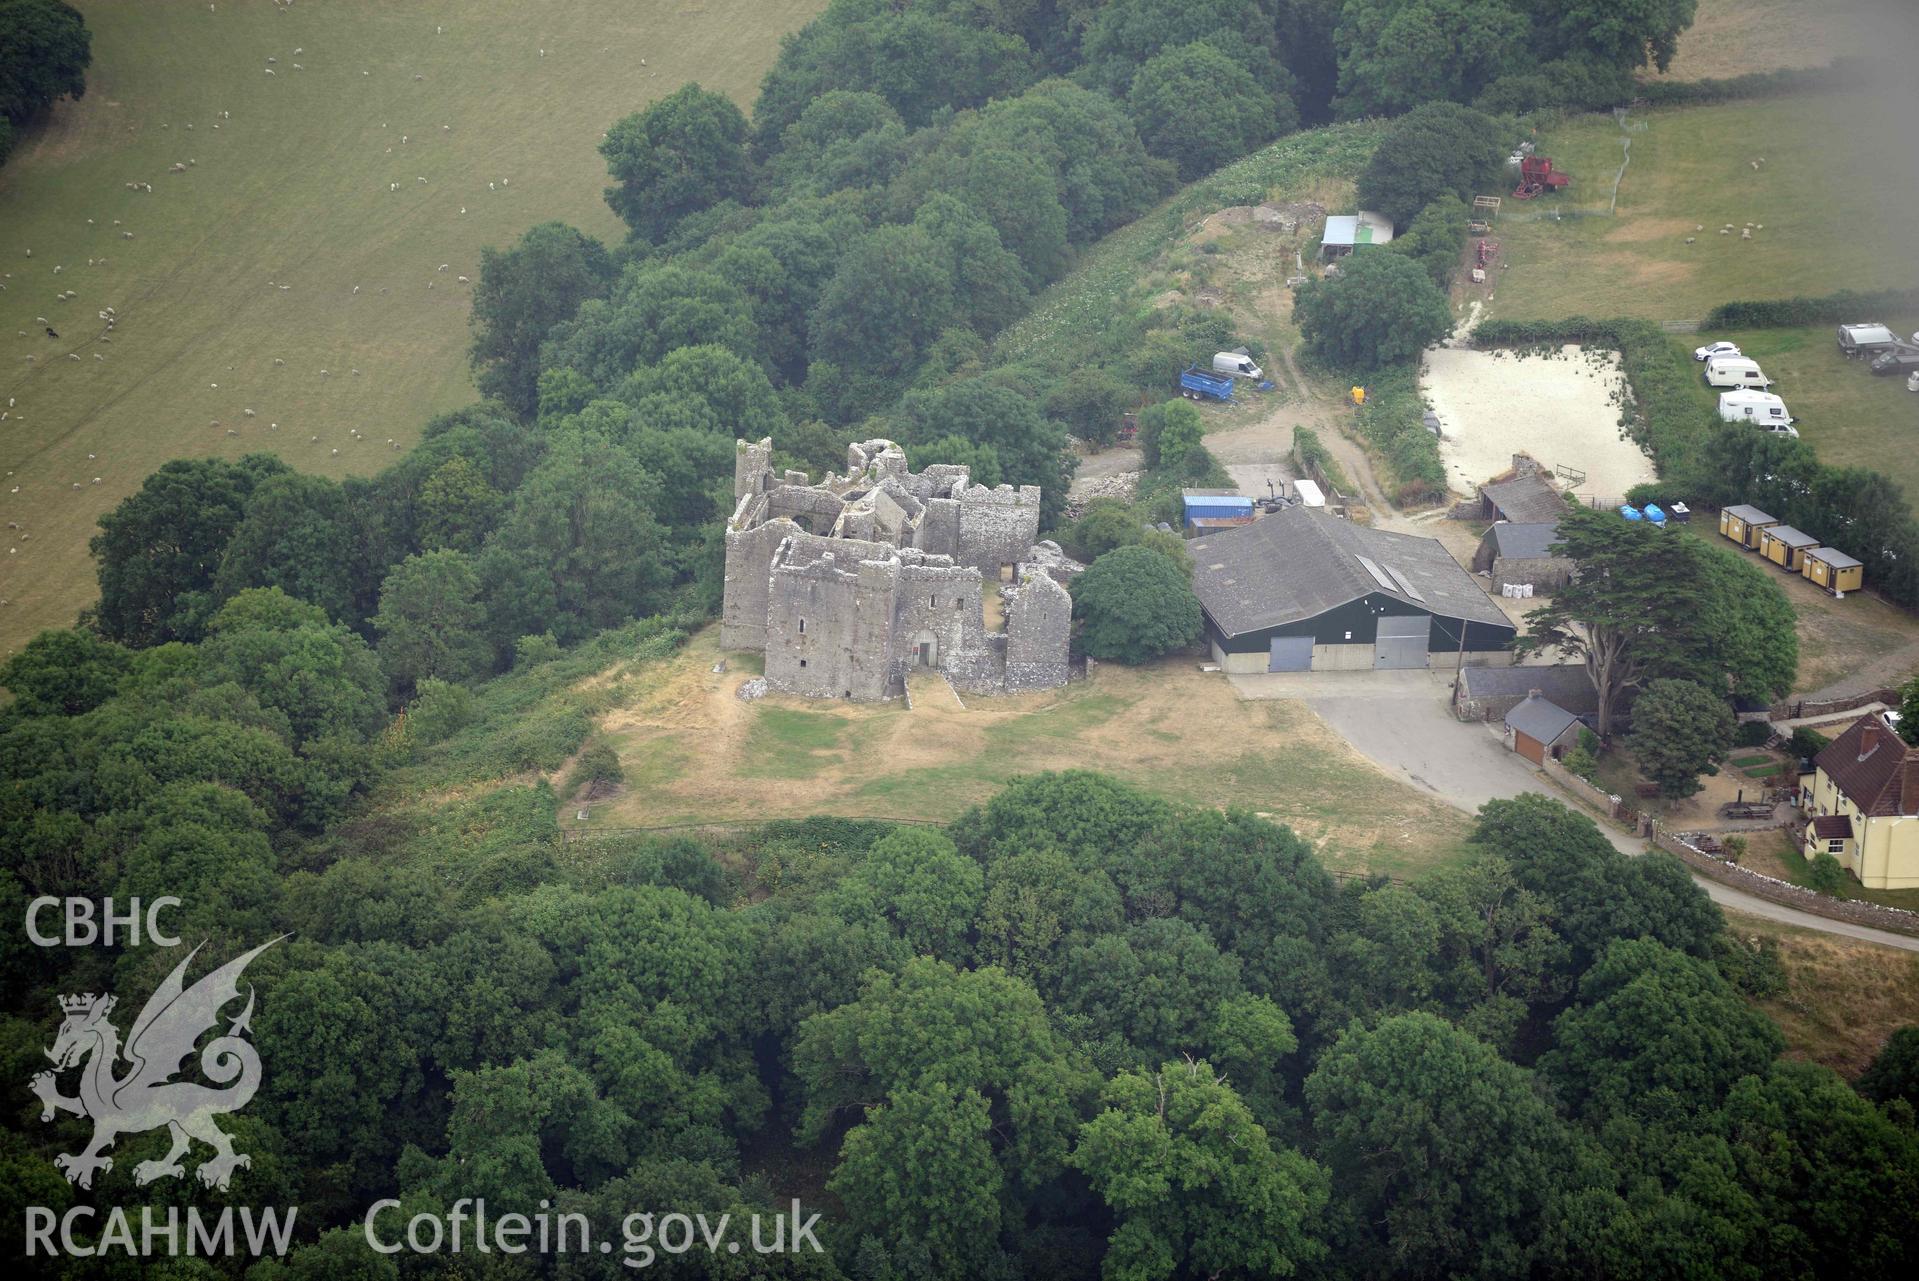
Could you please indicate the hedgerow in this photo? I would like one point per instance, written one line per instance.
(1846, 306)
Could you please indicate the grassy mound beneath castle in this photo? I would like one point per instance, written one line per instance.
(692, 752)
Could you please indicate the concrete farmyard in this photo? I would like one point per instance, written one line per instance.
(847, 584)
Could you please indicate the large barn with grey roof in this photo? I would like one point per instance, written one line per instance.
(1302, 590)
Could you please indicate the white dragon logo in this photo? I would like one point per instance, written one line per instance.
(146, 1098)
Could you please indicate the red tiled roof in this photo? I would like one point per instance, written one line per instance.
(1831, 827)
(1874, 768)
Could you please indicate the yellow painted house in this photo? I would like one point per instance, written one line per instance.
(1863, 806)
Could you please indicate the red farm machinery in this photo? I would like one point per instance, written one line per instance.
(1537, 176)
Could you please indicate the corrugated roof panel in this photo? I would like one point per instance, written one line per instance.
(1379, 575)
(1405, 586)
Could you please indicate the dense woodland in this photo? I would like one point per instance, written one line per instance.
(1081, 1032)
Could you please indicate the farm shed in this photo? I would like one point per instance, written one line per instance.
(1347, 232)
(1784, 546)
(1526, 499)
(1833, 570)
(1302, 590)
(1744, 524)
(1538, 727)
(1215, 508)
(1488, 693)
(1519, 554)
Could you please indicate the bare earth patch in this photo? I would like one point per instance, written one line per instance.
(1563, 410)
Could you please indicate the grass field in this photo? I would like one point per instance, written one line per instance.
(291, 189)
(1827, 211)
(694, 753)
(1735, 37)
(1849, 416)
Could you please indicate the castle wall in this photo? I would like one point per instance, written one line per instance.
(939, 528)
(749, 560)
(1039, 620)
(996, 526)
(839, 583)
(943, 602)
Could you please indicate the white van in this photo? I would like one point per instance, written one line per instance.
(1760, 407)
(1237, 364)
(1735, 371)
(1309, 493)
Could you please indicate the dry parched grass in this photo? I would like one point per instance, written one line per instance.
(694, 753)
(1844, 997)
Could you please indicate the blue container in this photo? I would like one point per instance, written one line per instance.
(1654, 514)
(1630, 513)
(1198, 384)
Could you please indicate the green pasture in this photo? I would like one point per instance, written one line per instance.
(300, 187)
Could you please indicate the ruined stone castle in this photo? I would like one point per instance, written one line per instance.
(848, 584)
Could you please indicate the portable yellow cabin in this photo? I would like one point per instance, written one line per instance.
(1785, 546)
(1833, 570)
(1742, 524)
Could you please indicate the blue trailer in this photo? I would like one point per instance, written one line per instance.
(1197, 384)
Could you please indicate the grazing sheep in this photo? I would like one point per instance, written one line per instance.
(442, 267)
(269, 70)
(249, 413)
(463, 280)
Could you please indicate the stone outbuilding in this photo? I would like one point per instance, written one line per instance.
(1516, 554)
(1537, 728)
(849, 583)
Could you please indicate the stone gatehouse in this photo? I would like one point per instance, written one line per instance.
(849, 583)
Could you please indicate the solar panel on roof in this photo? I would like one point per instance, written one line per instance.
(1405, 586)
(1379, 575)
